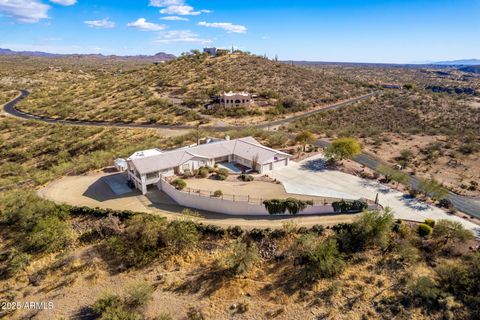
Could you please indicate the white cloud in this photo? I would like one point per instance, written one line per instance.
(166, 3)
(176, 36)
(64, 2)
(183, 10)
(100, 24)
(174, 18)
(143, 25)
(227, 26)
(28, 11)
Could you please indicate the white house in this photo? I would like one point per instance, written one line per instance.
(150, 167)
(236, 99)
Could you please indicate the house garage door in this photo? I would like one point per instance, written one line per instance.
(280, 164)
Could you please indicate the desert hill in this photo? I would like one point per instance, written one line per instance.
(177, 91)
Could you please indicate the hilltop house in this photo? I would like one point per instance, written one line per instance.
(149, 168)
(236, 99)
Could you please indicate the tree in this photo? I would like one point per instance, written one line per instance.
(343, 148)
(393, 174)
(305, 137)
(433, 189)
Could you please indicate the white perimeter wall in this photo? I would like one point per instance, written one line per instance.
(227, 206)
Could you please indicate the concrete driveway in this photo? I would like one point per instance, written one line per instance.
(309, 177)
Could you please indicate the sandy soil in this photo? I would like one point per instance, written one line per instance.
(91, 190)
(452, 168)
(252, 189)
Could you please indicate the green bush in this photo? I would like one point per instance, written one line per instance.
(429, 222)
(49, 234)
(371, 228)
(179, 184)
(110, 307)
(141, 242)
(349, 205)
(246, 177)
(323, 260)
(221, 174)
(425, 292)
(13, 262)
(181, 235)
(139, 294)
(217, 193)
(449, 230)
(281, 206)
(424, 230)
(203, 172)
(242, 257)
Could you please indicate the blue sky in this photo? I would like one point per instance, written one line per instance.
(400, 31)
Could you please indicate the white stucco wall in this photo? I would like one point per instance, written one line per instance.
(227, 206)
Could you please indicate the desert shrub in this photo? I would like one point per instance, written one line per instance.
(139, 294)
(99, 212)
(371, 228)
(221, 174)
(218, 193)
(13, 262)
(449, 230)
(258, 234)
(141, 241)
(318, 229)
(349, 205)
(163, 316)
(323, 260)
(245, 177)
(424, 230)
(179, 184)
(445, 203)
(424, 291)
(235, 231)
(211, 230)
(242, 256)
(429, 222)
(181, 235)
(281, 206)
(110, 306)
(203, 172)
(49, 234)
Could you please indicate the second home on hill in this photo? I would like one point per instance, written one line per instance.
(236, 99)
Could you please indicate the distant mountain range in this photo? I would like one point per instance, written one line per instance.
(464, 62)
(161, 56)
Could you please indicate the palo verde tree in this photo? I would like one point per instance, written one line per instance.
(305, 137)
(393, 174)
(343, 148)
(433, 189)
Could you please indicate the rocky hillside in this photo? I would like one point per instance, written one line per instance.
(177, 91)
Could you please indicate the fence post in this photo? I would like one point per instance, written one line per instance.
(233, 198)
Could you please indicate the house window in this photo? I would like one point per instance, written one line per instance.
(152, 175)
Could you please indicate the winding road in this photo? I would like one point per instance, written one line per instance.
(464, 204)
(10, 108)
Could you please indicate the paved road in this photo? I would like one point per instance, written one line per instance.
(10, 109)
(464, 204)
